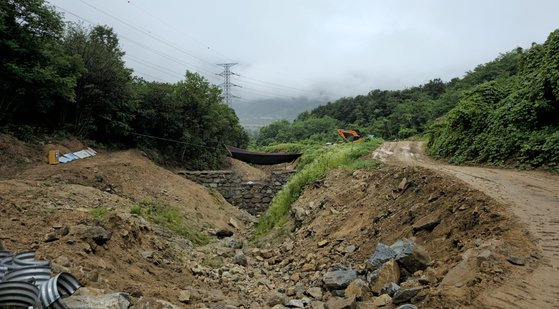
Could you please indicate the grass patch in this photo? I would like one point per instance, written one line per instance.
(324, 160)
(170, 218)
(310, 150)
(100, 213)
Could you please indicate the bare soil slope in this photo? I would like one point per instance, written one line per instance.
(532, 196)
(370, 206)
(78, 216)
(131, 175)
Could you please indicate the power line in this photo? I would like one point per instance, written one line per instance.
(155, 51)
(271, 94)
(274, 84)
(209, 75)
(151, 76)
(174, 140)
(166, 56)
(145, 32)
(273, 88)
(162, 21)
(128, 57)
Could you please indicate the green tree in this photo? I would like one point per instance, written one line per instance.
(190, 112)
(35, 73)
(103, 106)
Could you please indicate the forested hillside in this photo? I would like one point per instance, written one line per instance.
(513, 118)
(58, 78)
(504, 111)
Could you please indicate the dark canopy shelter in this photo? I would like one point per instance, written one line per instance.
(262, 158)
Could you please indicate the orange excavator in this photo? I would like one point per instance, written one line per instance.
(350, 135)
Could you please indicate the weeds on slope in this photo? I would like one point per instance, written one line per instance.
(318, 163)
(170, 218)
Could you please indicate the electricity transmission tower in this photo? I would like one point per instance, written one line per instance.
(227, 84)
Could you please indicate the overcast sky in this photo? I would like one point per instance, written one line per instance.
(317, 48)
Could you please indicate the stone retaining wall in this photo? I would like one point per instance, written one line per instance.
(253, 196)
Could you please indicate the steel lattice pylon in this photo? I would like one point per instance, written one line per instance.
(227, 84)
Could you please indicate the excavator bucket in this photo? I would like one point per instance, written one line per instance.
(350, 135)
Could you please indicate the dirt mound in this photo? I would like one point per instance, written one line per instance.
(245, 170)
(131, 175)
(340, 221)
(17, 156)
(111, 251)
(79, 216)
(64, 146)
(532, 196)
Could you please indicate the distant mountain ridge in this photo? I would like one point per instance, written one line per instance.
(258, 113)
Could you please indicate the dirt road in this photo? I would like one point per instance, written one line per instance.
(532, 196)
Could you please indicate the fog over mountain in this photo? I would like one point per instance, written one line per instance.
(257, 113)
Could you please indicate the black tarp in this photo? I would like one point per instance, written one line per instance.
(262, 158)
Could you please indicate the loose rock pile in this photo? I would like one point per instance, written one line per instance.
(394, 276)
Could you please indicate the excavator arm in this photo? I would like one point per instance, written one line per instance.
(350, 135)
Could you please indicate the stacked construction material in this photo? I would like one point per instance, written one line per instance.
(85, 153)
(26, 282)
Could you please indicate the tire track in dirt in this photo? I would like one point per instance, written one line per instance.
(532, 196)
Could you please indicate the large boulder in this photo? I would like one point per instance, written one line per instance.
(358, 289)
(386, 274)
(97, 234)
(411, 256)
(405, 294)
(418, 260)
(427, 223)
(276, 298)
(152, 303)
(382, 254)
(341, 303)
(339, 279)
(109, 301)
(403, 248)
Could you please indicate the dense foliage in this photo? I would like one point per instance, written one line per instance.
(316, 129)
(388, 114)
(68, 78)
(188, 111)
(502, 112)
(514, 118)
